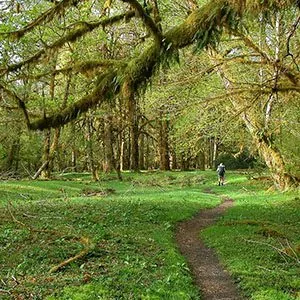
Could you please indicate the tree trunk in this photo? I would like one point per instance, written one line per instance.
(45, 171)
(201, 160)
(108, 161)
(74, 150)
(185, 162)
(48, 154)
(142, 152)
(215, 152)
(147, 158)
(164, 145)
(13, 155)
(173, 160)
(90, 152)
(134, 145)
(128, 94)
(274, 161)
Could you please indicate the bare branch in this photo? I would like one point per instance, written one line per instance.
(290, 35)
(290, 74)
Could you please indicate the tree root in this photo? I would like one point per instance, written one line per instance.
(88, 247)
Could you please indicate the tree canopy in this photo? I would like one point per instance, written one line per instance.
(81, 56)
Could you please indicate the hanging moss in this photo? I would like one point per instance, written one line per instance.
(81, 29)
(103, 91)
(45, 17)
(203, 27)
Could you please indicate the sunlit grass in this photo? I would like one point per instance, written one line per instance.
(259, 241)
(132, 231)
(133, 254)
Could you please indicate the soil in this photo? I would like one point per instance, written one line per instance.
(209, 275)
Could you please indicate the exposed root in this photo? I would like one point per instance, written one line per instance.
(88, 247)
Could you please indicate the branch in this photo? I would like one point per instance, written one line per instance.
(85, 67)
(19, 101)
(88, 246)
(212, 16)
(72, 36)
(101, 92)
(290, 35)
(294, 78)
(148, 21)
(45, 17)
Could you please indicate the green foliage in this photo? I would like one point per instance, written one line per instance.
(242, 161)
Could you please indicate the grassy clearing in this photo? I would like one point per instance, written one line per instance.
(129, 227)
(259, 240)
(129, 231)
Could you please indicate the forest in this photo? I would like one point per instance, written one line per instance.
(126, 108)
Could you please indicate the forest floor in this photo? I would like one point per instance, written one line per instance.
(71, 238)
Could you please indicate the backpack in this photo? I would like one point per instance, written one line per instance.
(221, 170)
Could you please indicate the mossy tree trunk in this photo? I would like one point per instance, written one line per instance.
(274, 161)
(133, 119)
(13, 155)
(201, 160)
(142, 152)
(44, 170)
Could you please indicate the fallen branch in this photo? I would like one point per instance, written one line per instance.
(28, 227)
(281, 252)
(88, 247)
(4, 292)
(15, 219)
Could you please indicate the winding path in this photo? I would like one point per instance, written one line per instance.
(209, 275)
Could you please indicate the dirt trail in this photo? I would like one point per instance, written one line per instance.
(209, 275)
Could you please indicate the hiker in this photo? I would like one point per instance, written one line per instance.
(221, 173)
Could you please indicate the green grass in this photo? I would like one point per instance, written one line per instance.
(133, 253)
(259, 241)
(130, 226)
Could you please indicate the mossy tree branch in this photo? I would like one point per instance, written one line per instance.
(20, 102)
(103, 91)
(85, 67)
(203, 26)
(148, 21)
(45, 17)
(73, 35)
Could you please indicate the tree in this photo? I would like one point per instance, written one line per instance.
(122, 75)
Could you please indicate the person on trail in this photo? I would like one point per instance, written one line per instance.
(221, 173)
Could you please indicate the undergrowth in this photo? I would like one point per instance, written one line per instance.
(123, 229)
(259, 241)
(121, 236)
